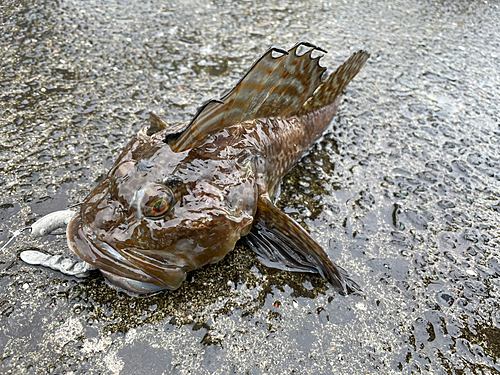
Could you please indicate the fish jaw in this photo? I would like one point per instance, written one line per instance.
(118, 269)
(145, 271)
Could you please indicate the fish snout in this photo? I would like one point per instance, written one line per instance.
(129, 269)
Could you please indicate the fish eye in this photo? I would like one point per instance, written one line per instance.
(158, 208)
(156, 200)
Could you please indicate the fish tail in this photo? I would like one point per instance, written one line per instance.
(329, 90)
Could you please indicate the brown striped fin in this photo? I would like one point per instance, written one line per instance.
(273, 87)
(328, 91)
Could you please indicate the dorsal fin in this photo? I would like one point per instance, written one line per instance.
(329, 90)
(273, 87)
(157, 124)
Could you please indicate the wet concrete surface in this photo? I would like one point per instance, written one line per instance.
(403, 191)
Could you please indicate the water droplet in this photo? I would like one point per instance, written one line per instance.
(445, 299)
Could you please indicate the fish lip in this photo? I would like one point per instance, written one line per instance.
(84, 242)
(119, 270)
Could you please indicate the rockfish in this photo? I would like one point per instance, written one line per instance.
(180, 196)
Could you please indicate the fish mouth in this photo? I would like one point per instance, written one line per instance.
(126, 268)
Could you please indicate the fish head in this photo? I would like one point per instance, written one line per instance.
(159, 214)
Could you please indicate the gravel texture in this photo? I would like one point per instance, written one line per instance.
(403, 191)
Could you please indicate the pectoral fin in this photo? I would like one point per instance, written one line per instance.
(282, 243)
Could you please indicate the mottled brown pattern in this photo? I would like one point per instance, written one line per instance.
(217, 176)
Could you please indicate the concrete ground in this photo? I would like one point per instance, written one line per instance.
(403, 191)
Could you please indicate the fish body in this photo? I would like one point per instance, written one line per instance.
(181, 196)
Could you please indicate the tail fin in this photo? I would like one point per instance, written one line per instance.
(329, 90)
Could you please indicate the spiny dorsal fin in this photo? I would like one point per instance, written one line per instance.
(273, 87)
(328, 91)
(157, 124)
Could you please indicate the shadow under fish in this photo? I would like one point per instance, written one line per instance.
(180, 196)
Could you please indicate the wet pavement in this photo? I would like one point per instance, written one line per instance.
(403, 191)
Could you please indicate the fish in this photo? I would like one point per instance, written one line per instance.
(180, 196)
